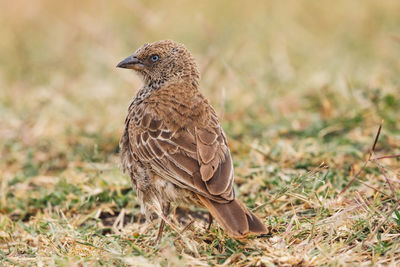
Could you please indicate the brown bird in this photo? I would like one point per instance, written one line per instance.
(173, 145)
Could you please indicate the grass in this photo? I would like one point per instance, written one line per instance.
(301, 88)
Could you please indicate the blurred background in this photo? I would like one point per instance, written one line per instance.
(299, 82)
(265, 61)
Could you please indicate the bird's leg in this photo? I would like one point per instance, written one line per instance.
(162, 224)
(160, 232)
(210, 221)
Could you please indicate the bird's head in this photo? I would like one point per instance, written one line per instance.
(163, 62)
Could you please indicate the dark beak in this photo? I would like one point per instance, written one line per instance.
(131, 62)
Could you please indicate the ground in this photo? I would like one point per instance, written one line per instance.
(301, 89)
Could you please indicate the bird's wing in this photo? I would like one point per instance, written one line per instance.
(197, 159)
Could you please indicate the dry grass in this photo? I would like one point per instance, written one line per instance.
(302, 87)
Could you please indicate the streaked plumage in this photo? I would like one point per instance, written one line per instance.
(173, 146)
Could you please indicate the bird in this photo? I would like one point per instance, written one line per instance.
(173, 146)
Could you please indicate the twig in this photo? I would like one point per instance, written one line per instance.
(355, 177)
(377, 190)
(377, 136)
(187, 226)
(380, 167)
(388, 157)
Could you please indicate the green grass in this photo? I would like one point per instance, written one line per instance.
(301, 89)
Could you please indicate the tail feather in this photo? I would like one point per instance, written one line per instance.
(234, 218)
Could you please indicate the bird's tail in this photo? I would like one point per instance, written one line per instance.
(235, 218)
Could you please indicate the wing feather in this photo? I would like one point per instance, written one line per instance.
(197, 159)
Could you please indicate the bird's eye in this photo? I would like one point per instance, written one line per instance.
(154, 58)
